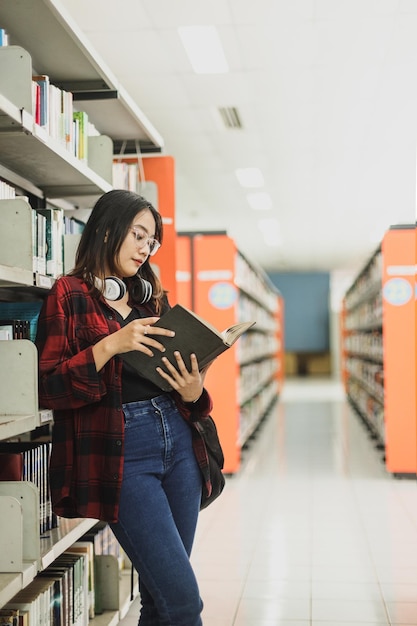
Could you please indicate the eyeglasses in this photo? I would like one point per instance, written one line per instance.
(143, 240)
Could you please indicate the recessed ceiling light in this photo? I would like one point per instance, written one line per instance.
(260, 201)
(204, 49)
(250, 177)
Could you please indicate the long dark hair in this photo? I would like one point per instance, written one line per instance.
(103, 236)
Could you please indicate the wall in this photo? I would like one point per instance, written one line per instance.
(307, 320)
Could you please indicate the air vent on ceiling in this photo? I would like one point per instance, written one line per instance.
(230, 117)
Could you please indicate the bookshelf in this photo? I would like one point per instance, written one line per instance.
(378, 329)
(216, 281)
(44, 40)
(43, 28)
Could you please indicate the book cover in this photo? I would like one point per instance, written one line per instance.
(193, 334)
(81, 149)
(41, 243)
(4, 37)
(54, 244)
(11, 466)
(36, 102)
(43, 82)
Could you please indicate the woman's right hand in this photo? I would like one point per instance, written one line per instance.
(137, 335)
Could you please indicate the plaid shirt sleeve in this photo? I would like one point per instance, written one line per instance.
(86, 463)
(68, 377)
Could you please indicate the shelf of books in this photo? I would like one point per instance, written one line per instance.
(58, 129)
(378, 324)
(49, 154)
(217, 282)
(62, 53)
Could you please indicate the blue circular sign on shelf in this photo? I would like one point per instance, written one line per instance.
(222, 295)
(397, 291)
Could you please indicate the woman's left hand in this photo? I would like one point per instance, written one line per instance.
(189, 384)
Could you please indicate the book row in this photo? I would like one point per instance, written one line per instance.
(255, 345)
(14, 329)
(368, 407)
(249, 281)
(29, 461)
(125, 175)
(46, 235)
(53, 110)
(7, 192)
(254, 376)
(251, 309)
(368, 345)
(367, 315)
(368, 281)
(67, 592)
(252, 412)
(370, 374)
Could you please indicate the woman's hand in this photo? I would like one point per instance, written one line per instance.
(134, 336)
(139, 335)
(189, 384)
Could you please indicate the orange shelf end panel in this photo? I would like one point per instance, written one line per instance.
(215, 298)
(161, 171)
(399, 335)
(184, 273)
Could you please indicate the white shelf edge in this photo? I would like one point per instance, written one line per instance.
(60, 151)
(57, 540)
(28, 126)
(15, 275)
(12, 583)
(13, 425)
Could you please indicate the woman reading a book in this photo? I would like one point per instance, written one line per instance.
(122, 450)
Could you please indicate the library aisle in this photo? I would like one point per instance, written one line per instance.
(312, 531)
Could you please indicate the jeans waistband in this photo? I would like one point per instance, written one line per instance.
(161, 401)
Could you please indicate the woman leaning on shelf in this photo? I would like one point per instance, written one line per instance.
(122, 450)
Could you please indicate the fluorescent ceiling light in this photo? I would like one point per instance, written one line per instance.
(204, 49)
(271, 231)
(260, 201)
(250, 177)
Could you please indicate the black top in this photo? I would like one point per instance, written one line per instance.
(134, 387)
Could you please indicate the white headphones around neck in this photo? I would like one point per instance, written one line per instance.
(115, 289)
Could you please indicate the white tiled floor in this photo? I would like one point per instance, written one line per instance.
(312, 531)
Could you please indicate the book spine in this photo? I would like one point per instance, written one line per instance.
(14, 329)
(35, 240)
(4, 37)
(41, 243)
(43, 82)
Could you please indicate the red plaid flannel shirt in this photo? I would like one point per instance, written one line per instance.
(88, 433)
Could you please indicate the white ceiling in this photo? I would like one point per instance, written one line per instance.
(327, 94)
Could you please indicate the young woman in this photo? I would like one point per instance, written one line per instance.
(122, 450)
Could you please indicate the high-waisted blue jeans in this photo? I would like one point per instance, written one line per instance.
(159, 506)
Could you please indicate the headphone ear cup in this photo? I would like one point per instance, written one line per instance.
(147, 291)
(114, 288)
(141, 290)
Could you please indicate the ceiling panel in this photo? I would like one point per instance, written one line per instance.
(327, 95)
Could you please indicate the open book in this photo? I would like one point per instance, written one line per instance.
(192, 335)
